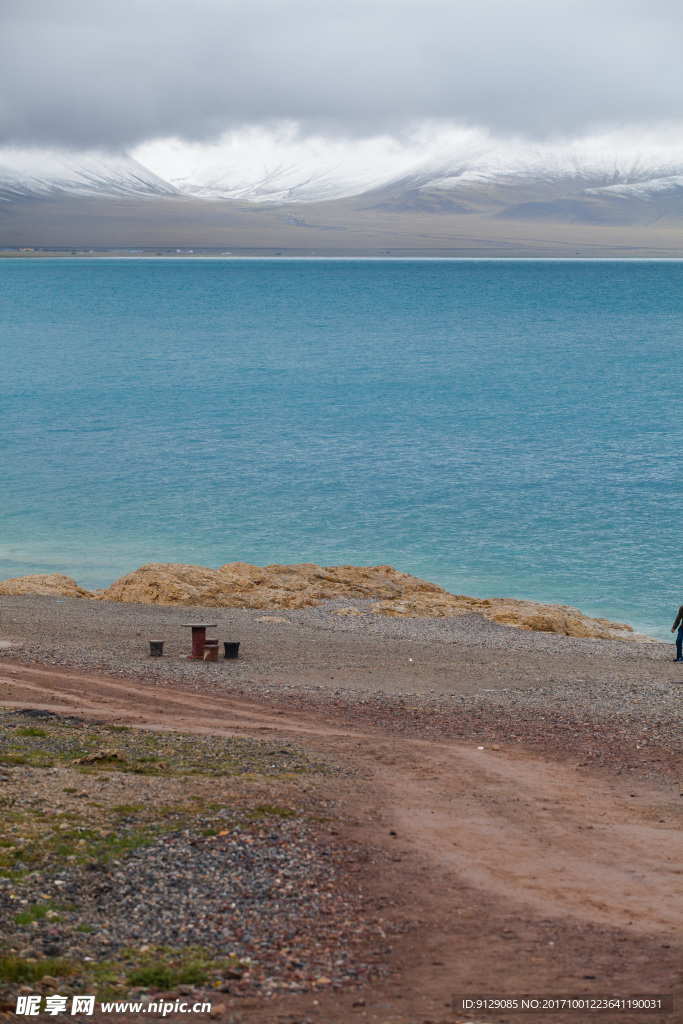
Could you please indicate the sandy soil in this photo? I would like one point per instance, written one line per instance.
(500, 870)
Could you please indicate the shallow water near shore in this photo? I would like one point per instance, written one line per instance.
(508, 428)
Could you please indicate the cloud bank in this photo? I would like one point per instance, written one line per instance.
(119, 73)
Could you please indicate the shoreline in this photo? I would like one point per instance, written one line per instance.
(288, 587)
(614, 706)
(285, 253)
(458, 678)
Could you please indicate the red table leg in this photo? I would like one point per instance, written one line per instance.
(198, 641)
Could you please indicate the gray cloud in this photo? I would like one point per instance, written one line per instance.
(116, 72)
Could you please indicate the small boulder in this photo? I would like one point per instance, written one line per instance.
(55, 584)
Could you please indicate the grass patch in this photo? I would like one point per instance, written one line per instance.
(161, 967)
(116, 846)
(109, 977)
(36, 913)
(273, 810)
(32, 843)
(101, 748)
(160, 975)
(38, 852)
(166, 968)
(88, 845)
(33, 839)
(14, 969)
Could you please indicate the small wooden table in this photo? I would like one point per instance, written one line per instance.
(198, 637)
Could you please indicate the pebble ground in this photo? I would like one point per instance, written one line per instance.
(127, 874)
(611, 703)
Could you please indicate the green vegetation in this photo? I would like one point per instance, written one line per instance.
(273, 810)
(47, 824)
(96, 747)
(160, 968)
(32, 842)
(165, 968)
(15, 969)
(36, 913)
(161, 976)
(37, 837)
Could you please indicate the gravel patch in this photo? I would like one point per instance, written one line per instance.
(604, 703)
(278, 898)
(104, 633)
(230, 880)
(45, 739)
(274, 899)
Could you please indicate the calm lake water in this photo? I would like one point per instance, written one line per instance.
(507, 428)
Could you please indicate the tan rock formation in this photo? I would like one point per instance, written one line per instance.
(55, 584)
(542, 618)
(240, 585)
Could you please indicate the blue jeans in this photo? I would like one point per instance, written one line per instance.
(679, 644)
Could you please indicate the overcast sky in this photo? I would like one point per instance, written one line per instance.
(237, 91)
(120, 74)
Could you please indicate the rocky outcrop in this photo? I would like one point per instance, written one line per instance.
(53, 585)
(240, 585)
(542, 618)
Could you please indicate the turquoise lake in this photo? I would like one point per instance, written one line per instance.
(510, 428)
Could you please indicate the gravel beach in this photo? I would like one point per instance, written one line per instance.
(614, 703)
(462, 793)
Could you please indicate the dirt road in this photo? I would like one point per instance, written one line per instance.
(508, 872)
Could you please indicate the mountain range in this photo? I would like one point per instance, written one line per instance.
(51, 199)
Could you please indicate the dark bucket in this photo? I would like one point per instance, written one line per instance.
(156, 648)
(231, 648)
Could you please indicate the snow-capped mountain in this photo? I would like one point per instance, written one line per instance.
(570, 191)
(42, 173)
(672, 184)
(283, 183)
(517, 183)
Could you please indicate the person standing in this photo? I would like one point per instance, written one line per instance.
(679, 636)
